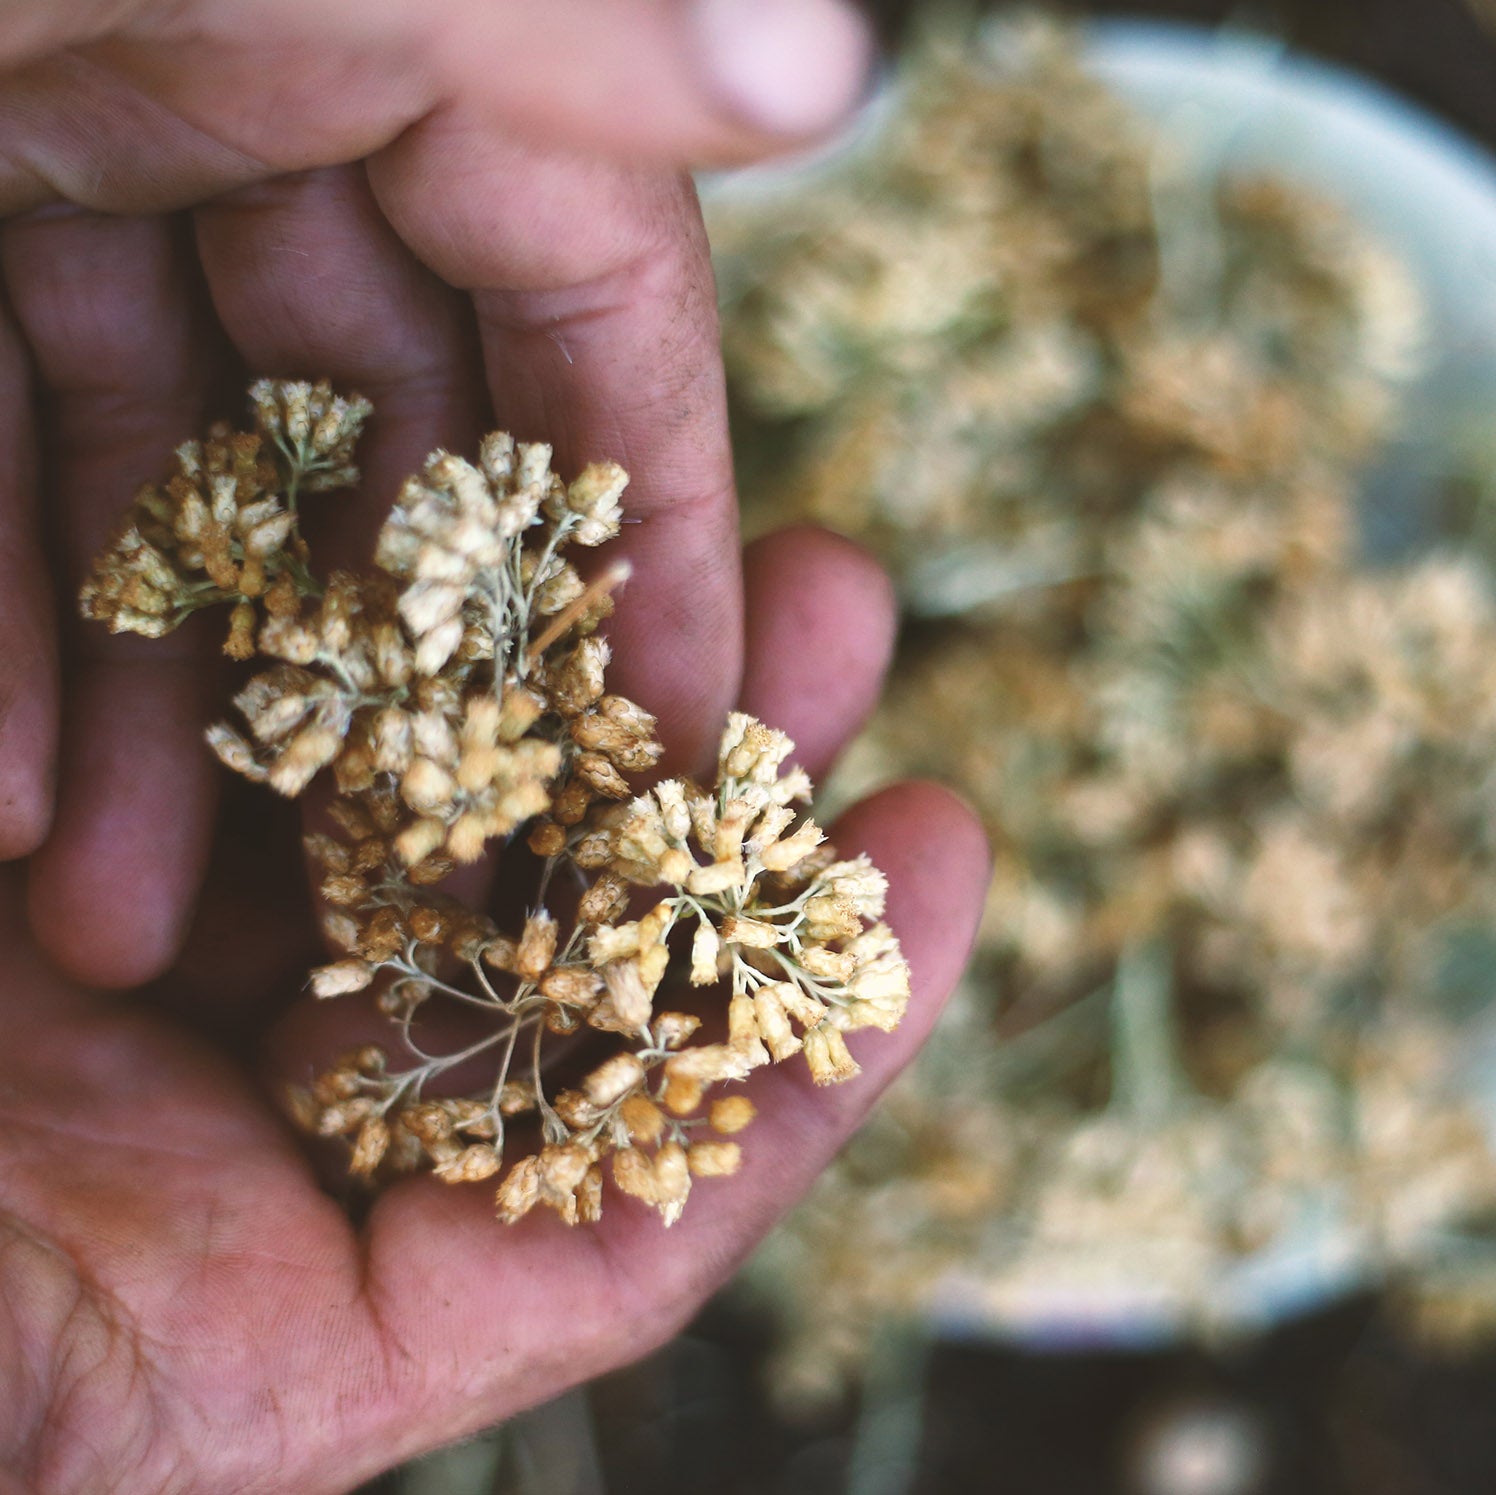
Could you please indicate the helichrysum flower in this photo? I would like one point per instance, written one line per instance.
(455, 698)
(222, 527)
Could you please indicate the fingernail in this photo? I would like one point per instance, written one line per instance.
(787, 67)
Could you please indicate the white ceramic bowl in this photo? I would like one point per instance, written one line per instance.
(1425, 190)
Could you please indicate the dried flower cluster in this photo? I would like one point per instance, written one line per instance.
(1110, 426)
(223, 527)
(456, 697)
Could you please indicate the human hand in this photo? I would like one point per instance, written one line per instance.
(182, 1308)
(474, 220)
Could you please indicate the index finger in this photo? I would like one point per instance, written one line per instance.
(597, 312)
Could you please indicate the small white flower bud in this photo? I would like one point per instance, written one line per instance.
(340, 977)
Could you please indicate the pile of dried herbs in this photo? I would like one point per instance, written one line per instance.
(1109, 425)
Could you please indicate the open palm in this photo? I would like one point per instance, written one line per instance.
(182, 1308)
(472, 213)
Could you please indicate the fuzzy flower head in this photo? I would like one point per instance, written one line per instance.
(222, 527)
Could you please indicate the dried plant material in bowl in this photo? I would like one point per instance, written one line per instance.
(1141, 420)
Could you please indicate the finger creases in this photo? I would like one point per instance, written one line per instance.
(596, 308)
(308, 279)
(124, 356)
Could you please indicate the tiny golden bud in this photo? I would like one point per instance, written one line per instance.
(613, 1079)
(547, 839)
(828, 1057)
(576, 986)
(417, 841)
(756, 934)
(337, 1084)
(428, 925)
(731, 1114)
(706, 945)
(717, 878)
(562, 1169)
(537, 946)
(340, 977)
(644, 1120)
(576, 1109)
(344, 890)
(343, 1116)
(633, 1172)
(682, 1093)
(743, 1029)
(520, 1191)
(367, 1059)
(471, 1165)
(516, 1098)
(303, 1107)
(340, 929)
(427, 786)
(604, 901)
(714, 1159)
(372, 1144)
(240, 644)
(590, 1196)
(774, 1024)
(672, 1180)
(627, 1006)
(501, 952)
(468, 836)
(428, 1120)
(789, 852)
(672, 1029)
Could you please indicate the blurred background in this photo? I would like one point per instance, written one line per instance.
(1158, 365)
